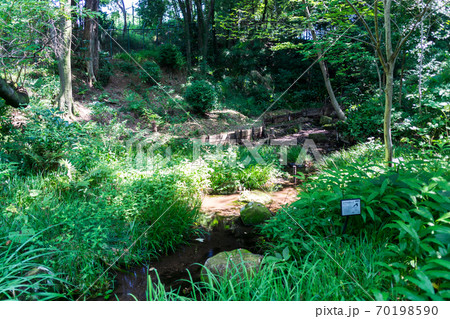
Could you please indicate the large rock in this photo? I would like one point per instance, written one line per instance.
(227, 263)
(254, 213)
(325, 120)
(318, 137)
(255, 196)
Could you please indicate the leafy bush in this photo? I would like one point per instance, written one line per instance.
(135, 102)
(363, 121)
(408, 203)
(123, 56)
(97, 216)
(105, 70)
(125, 66)
(151, 73)
(201, 96)
(150, 54)
(235, 168)
(45, 140)
(5, 119)
(170, 56)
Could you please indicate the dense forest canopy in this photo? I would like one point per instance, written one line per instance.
(103, 104)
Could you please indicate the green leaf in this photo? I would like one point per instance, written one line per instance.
(441, 262)
(422, 281)
(408, 228)
(433, 274)
(371, 213)
(409, 294)
(424, 212)
(372, 196)
(286, 254)
(383, 186)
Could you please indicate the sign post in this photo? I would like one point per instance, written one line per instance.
(350, 207)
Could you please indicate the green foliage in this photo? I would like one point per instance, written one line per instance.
(125, 66)
(5, 119)
(47, 88)
(280, 278)
(431, 122)
(235, 169)
(151, 73)
(170, 56)
(44, 141)
(408, 202)
(105, 70)
(100, 214)
(135, 102)
(22, 275)
(150, 54)
(201, 96)
(364, 121)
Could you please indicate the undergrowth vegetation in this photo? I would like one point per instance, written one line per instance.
(119, 181)
(398, 249)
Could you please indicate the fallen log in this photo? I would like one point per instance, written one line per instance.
(12, 96)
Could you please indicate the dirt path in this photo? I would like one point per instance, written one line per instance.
(230, 205)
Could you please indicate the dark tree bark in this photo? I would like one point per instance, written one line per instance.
(203, 29)
(186, 9)
(12, 96)
(265, 11)
(122, 8)
(91, 39)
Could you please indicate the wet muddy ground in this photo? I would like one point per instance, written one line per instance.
(227, 234)
(222, 231)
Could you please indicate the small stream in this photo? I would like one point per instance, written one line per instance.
(221, 234)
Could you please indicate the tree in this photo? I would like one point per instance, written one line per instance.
(121, 5)
(201, 32)
(91, 39)
(186, 9)
(388, 58)
(24, 40)
(152, 11)
(323, 68)
(205, 14)
(65, 98)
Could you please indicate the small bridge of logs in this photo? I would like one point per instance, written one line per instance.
(263, 131)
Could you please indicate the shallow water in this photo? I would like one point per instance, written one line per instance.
(225, 235)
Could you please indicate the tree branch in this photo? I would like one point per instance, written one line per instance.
(415, 24)
(376, 44)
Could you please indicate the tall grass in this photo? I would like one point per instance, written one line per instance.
(23, 276)
(314, 276)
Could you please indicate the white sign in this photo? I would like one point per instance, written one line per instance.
(350, 207)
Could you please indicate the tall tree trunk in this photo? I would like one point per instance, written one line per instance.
(122, 8)
(264, 11)
(186, 9)
(213, 25)
(91, 39)
(201, 33)
(65, 99)
(389, 91)
(389, 88)
(388, 62)
(203, 30)
(402, 72)
(420, 65)
(324, 69)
